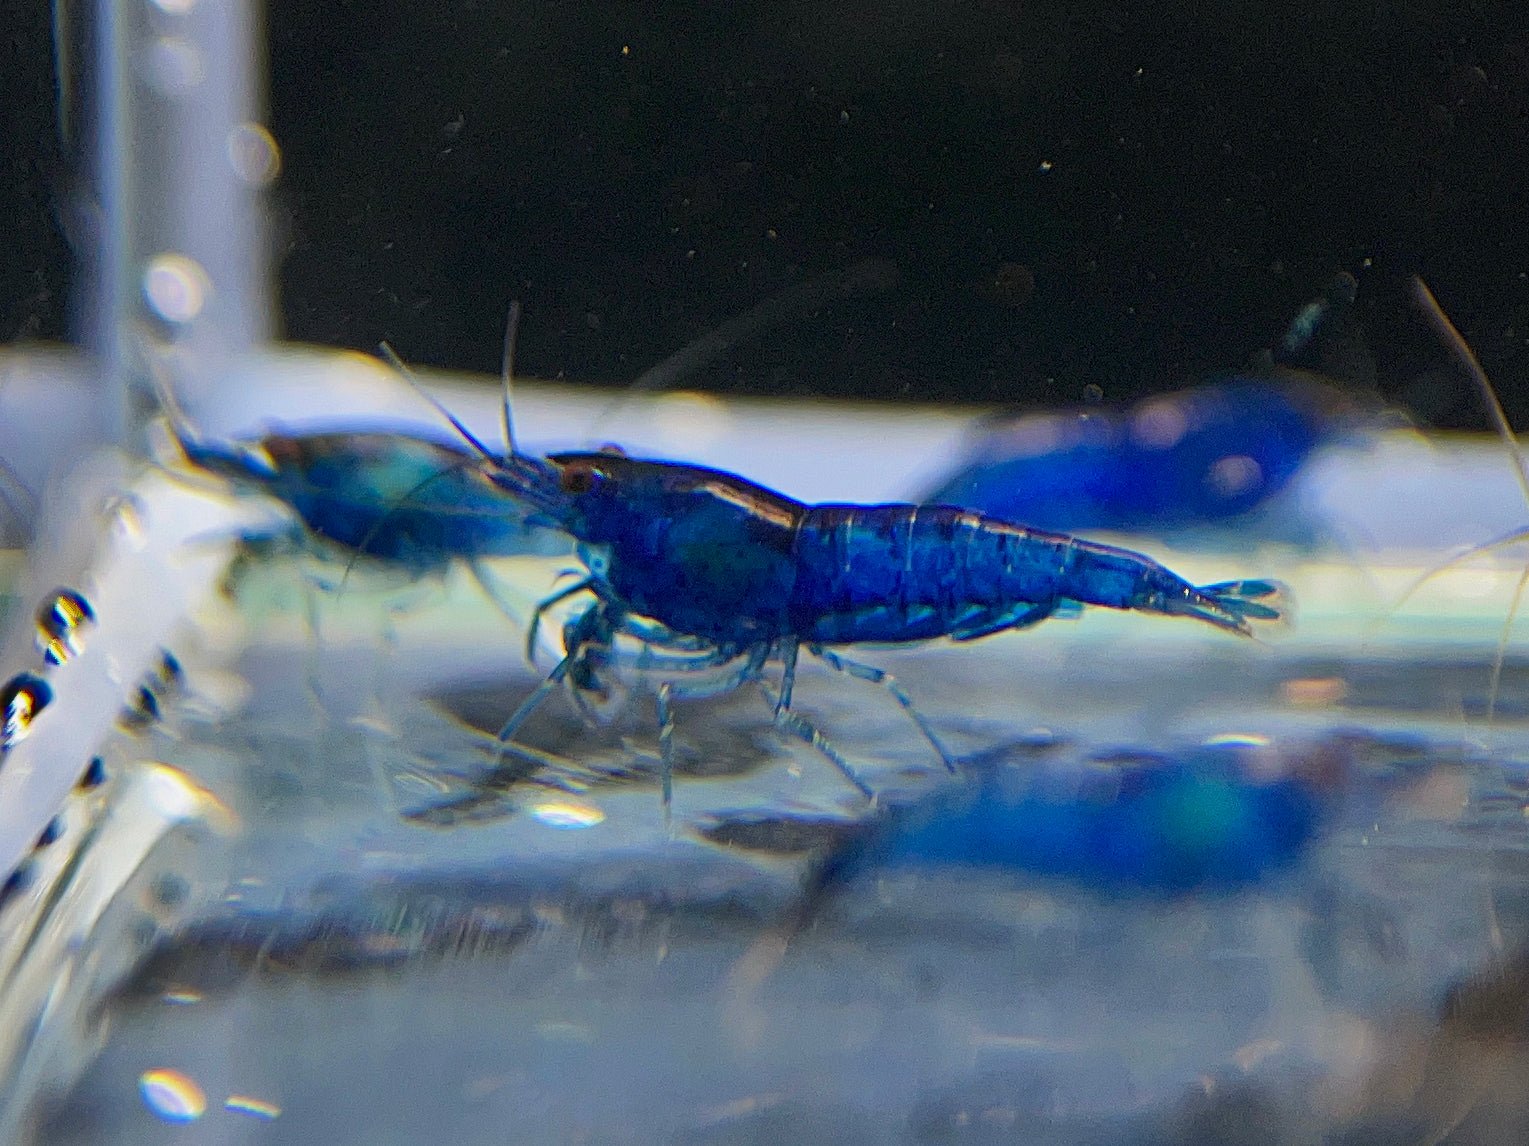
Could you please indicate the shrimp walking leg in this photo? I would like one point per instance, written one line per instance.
(802, 728)
(546, 768)
(666, 744)
(671, 690)
(588, 644)
(531, 703)
(534, 628)
(889, 682)
(788, 651)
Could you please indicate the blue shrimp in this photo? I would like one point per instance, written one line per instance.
(404, 501)
(401, 499)
(715, 577)
(1196, 457)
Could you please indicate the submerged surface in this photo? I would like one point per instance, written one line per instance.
(375, 959)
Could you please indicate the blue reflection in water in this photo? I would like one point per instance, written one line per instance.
(1213, 818)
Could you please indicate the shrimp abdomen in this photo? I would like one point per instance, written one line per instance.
(909, 573)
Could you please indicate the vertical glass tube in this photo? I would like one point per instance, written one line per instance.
(181, 162)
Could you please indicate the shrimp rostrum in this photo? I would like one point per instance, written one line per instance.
(715, 577)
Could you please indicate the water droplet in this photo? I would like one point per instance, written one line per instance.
(22, 698)
(61, 622)
(171, 1095)
(176, 287)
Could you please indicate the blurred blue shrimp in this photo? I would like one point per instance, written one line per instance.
(402, 499)
(1211, 818)
(406, 501)
(715, 577)
(1202, 456)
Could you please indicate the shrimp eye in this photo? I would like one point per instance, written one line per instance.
(577, 477)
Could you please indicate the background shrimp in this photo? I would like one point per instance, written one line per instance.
(406, 501)
(1199, 457)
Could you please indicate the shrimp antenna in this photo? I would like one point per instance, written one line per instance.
(1446, 330)
(1467, 357)
(407, 375)
(507, 371)
(401, 503)
(158, 368)
(866, 277)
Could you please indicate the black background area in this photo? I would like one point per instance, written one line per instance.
(1174, 179)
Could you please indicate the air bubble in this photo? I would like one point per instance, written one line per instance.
(1235, 476)
(253, 154)
(61, 622)
(176, 287)
(23, 697)
(141, 711)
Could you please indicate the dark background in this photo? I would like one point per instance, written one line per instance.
(1173, 178)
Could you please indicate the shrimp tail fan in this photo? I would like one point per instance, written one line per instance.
(1230, 605)
(1250, 600)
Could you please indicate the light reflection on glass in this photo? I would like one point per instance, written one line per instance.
(567, 814)
(254, 1107)
(171, 1095)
